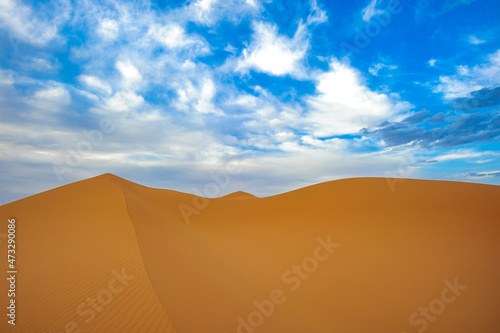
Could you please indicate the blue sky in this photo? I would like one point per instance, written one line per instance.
(253, 95)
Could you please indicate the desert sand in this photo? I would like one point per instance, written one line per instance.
(349, 256)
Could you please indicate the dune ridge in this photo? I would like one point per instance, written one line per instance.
(353, 255)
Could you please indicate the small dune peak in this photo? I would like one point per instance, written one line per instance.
(113, 178)
(105, 175)
(239, 195)
(108, 175)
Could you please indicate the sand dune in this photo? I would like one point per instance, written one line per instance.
(354, 255)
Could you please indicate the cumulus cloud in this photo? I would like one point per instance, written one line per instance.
(52, 98)
(203, 8)
(123, 101)
(183, 99)
(274, 54)
(344, 105)
(469, 79)
(130, 74)
(453, 87)
(172, 110)
(95, 83)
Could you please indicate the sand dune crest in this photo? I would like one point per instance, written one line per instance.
(354, 255)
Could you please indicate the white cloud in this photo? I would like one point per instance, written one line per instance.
(209, 12)
(375, 68)
(274, 54)
(454, 87)
(95, 83)
(204, 103)
(34, 27)
(490, 72)
(245, 100)
(205, 5)
(370, 11)
(203, 8)
(122, 101)
(252, 3)
(174, 36)
(38, 63)
(482, 174)
(469, 79)
(462, 154)
(87, 95)
(53, 98)
(231, 49)
(317, 15)
(266, 121)
(108, 29)
(6, 79)
(344, 105)
(197, 97)
(334, 143)
(474, 40)
(129, 72)
(463, 70)
(432, 62)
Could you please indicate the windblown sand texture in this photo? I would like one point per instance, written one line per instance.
(348, 256)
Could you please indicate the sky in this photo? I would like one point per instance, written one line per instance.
(264, 96)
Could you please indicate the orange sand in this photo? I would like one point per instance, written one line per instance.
(348, 256)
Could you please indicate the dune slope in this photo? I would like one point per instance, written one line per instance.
(354, 255)
(79, 265)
